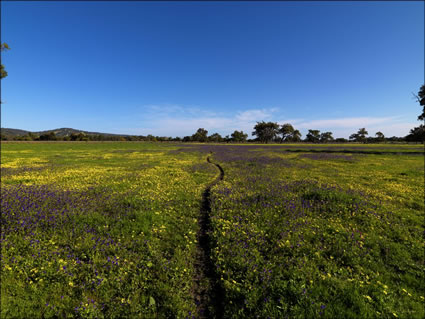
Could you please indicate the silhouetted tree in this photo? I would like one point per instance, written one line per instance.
(3, 72)
(341, 140)
(266, 132)
(239, 137)
(417, 134)
(362, 132)
(286, 131)
(79, 137)
(396, 139)
(216, 138)
(354, 137)
(380, 137)
(201, 135)
(326, 137)
(313, 136)
(48, 137)
(360, 136)
(421, 100)
(296, 136)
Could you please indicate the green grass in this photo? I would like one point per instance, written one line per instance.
(297, 230)
(320, 236)
(128, 239)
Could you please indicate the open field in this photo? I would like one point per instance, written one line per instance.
(113, 230)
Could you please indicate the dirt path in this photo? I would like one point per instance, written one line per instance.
(208, 292)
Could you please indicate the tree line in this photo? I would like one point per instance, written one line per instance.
(265, 132)
(81, 136)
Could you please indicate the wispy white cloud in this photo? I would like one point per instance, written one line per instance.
(172, 110)
(176, 120)
(255, 115)
(347, 122)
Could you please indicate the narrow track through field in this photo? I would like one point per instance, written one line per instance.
(208, 292)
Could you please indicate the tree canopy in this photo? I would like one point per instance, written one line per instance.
(421, 99)
(313, 136)
(380, 136)
(326, 137)
(296, 136)
(360, 136)
(286, 131)
(417, 134)
(289, 134)
(3, 72)
(266, 131)
(201, 135)
(216, 138)
(239, 136)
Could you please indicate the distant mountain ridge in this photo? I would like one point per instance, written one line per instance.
(60, 132)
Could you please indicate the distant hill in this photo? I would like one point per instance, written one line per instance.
(60, 132)
(13, 132)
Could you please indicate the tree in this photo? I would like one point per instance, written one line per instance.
(421, 100)
(286, 130)
(3, 72)
(266, 132)
(362, 132)
(31, 136)
(360, 136)
(354, 137)
(313, 136)
(78, 137)
(215, 138)
(151, 138)
(380, 137)
(396, 139)
(417, 134)
(201, 135)
(326, 137)
(289, 134)
(48, 136)
(296, 136)
(239, 136)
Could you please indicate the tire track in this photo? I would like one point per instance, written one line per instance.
(208, 292)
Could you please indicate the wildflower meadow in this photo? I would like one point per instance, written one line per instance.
(114, 230)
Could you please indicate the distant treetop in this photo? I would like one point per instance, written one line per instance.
(3, 72)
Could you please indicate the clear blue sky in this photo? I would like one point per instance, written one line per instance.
(169, 68)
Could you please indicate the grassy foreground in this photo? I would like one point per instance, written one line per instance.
(109, 230)
(99, 230)
(307, 235)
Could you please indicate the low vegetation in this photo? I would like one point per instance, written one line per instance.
(105, 230)
(300, 230)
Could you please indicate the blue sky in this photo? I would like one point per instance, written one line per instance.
(168, 68)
